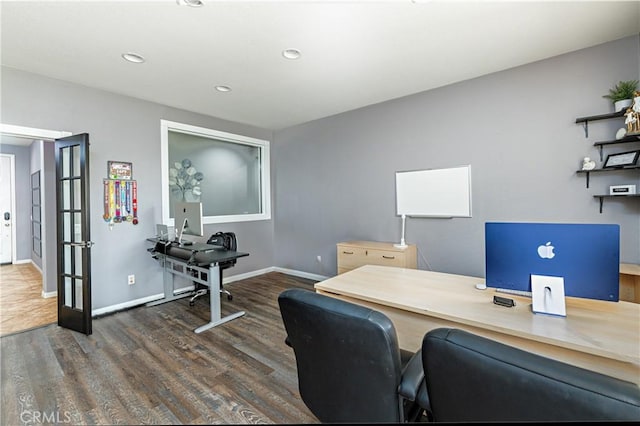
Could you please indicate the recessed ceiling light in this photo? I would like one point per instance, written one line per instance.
(291, 53)
(133, 57)
(192, 3)
(223, 88)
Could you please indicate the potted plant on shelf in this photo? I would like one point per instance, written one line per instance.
(622, 94)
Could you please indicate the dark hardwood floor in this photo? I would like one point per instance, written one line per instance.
(147, 366)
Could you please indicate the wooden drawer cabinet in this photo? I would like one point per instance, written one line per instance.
(353, 254)
(630, 282)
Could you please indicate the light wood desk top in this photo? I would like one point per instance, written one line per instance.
(598, 335)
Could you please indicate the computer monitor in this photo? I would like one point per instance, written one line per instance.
(587, 256)
(188, 219)
(162, 232)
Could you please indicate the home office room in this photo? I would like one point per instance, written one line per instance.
(358, 181)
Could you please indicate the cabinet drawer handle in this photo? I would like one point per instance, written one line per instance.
(388, 257)
(347, 252)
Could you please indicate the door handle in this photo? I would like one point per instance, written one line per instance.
(7, 215)
(83, 244)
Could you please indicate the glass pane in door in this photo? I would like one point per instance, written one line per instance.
(67, 292)
(66, 194)
(76, 160)
(78, 295)
(77, 194)
(64, 160)
(66, 261)
(77, 227)
(66, 227)
(78, 263)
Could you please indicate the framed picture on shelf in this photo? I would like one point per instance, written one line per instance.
(622, 159)
(119, 170)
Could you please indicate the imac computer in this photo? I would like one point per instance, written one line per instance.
(188, 220)
(587, 256)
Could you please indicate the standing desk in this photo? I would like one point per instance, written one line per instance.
(196, 262)
(597, 335)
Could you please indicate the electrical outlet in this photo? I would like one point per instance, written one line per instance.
(319, 258)
(131, 279)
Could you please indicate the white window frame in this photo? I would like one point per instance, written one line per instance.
(265, 179)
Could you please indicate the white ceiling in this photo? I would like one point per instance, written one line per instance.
(354, 53)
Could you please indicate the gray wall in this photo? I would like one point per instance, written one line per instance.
(333, 179)
(123, 129)
(517, 130)
(23, 199)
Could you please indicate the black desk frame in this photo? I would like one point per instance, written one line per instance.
(203, 259)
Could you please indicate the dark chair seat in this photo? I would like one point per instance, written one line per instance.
(473, 379)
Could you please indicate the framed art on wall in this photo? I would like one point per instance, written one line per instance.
(621, 160)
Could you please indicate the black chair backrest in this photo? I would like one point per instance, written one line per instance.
(228, 241)
(347, 357)
(471, 378)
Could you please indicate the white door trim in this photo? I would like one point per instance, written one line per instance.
(12, 191)
(31, 132)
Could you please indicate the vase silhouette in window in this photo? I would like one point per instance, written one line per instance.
(184, 181)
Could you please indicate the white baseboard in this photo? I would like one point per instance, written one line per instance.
(238, 277)
(49, 294)
(227, 280)
(126, 305)
(137, 302)
(293, 272)
(301, 274)
(22, 261)
(35, 265)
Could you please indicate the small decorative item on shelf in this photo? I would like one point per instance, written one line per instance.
(588, 164)
(622, 93)
(621, 133)
(184, 181)
(622, 190)
(632, 115)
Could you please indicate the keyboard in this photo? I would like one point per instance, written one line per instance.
(514, 292)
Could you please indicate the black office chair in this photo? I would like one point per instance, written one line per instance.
(229, 242)
(471, 378)
(349, 366)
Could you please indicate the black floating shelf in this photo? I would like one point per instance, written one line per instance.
(608, 169)
(586, 120)
(601, 116)
(626, 139)
(603, 196)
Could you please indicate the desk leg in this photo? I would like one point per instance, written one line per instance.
(214, 301)
(167, 282)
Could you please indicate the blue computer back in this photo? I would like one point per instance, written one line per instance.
(587, 256)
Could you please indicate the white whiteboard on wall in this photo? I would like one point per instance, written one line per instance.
(434, 193)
